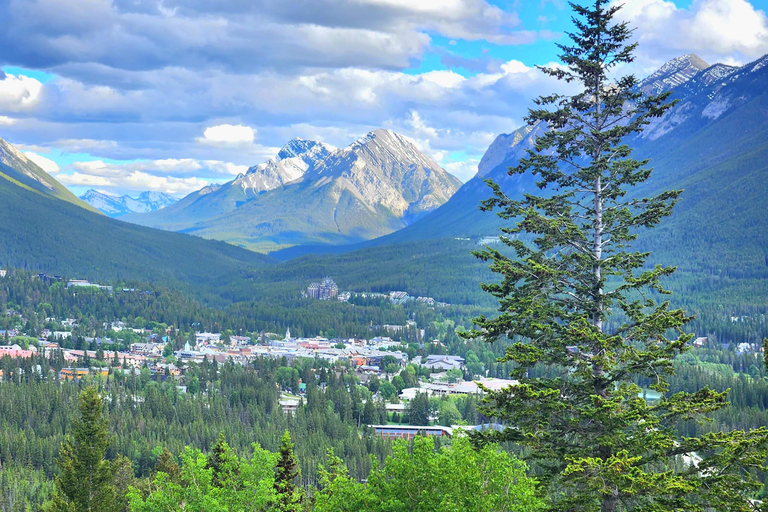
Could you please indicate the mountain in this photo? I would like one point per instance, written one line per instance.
(291, 162)
(45, 229)
(375, 186)
(20, 170)
(712, 144)
(673, 74)
(115, 206)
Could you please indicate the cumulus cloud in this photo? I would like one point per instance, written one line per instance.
(173, 176)
(464, 169)
(243, 36)
(156, 167)
(19, 93)
(228, 134)
(44, 163)
(134, 181)
(211, 88)
(719, 30)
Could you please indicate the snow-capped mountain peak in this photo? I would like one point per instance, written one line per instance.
(673, 74)
(113, 205)
(295, 158)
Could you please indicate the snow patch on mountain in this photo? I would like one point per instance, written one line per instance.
(673, 74)
(115, 206)
(290, 164)
(716, 108)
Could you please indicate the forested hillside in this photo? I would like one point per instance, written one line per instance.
(49, 235)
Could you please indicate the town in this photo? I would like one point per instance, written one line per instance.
(397, 370)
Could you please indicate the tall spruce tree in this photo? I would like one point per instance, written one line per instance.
(581, 308)
(289, 497)
(86, 479)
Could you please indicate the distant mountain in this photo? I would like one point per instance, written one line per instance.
(673, 74)
(45, 228)
(115, 206)
(374, 186)
(20, 170)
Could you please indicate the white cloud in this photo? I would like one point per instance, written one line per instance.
(164, 166)
(19, 93)
(84, 145)
(228, 134)
(225, 167)
(464, 169)
(170, 175)
(135, 181)
(7, 121)
(44, 163)
(718, 30)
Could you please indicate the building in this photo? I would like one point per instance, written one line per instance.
(15, 351)
(324, 290)
(83, 282)
(443, 362)
(3, 273)
(207, 338)
(399, 297)
(239, 340)
(79, 373)
(147, 349)
(410, 431)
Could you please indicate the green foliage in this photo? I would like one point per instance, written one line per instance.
(579, 308)
(456, 478)
(23, 488)
(86, 479)
(418, 410)
(235, 485)
(340, 493)
(289, 497)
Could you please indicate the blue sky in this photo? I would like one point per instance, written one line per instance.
(132, 95)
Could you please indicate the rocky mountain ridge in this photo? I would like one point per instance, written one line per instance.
(311, 191)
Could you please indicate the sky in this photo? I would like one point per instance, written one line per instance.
(132, 95)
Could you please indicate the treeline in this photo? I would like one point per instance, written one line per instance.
(240, 402)
(156, 308)
(421, 476)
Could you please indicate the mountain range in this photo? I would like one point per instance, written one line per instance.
(115, 206)
(314, 193)
(712, 144)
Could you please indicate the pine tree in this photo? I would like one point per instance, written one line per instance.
(168, 465)
(578, 303)
(223, 462)
(289, 496)
(85, 481)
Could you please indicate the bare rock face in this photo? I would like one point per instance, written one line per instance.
(386, 169)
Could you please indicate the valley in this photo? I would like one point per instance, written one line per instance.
(401, 307)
